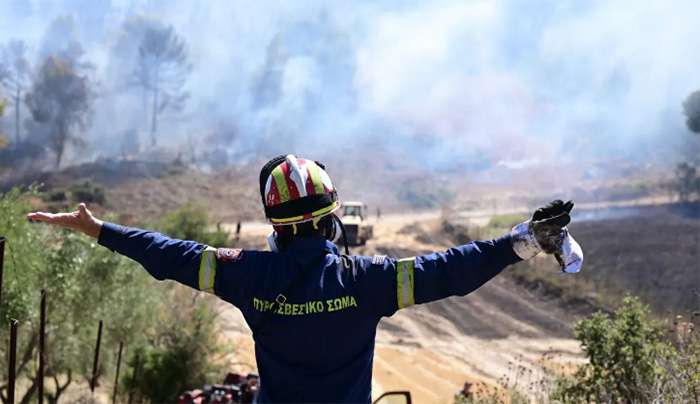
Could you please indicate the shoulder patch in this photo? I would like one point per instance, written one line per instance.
(229, 254)
(378, 259)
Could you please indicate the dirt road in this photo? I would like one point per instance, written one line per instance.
(500, 331)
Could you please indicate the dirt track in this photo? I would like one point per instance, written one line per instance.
(432, 349)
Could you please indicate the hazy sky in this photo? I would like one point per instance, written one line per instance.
(484, 80)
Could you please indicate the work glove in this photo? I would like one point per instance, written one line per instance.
(546, 232)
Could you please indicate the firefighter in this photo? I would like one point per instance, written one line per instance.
(314, 311)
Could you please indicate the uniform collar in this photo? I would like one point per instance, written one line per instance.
(306, 244)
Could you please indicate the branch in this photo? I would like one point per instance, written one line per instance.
(61, 389)
(30, 392)
(28, 353)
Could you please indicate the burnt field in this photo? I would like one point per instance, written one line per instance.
(652, 252)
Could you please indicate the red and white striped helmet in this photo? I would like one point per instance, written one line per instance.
(296, 190)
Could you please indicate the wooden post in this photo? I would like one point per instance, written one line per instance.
(116, 377)
(42, 347)
(2, 262)
(12, 362)
(95, 362)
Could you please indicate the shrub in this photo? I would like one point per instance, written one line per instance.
(184, 352)
(683, 367)
(687, 181)
(56, 196)
(88, 192)
(625, 353)
(84, 284)
(191, 222)
(507, 221)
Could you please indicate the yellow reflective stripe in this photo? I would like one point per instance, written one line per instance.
(301, 218)
(207, 270)
(287, 220)
(281, 183)
(404, 282)
(325, 210)
(315, 177)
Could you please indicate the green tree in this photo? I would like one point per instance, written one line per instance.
(691, 108)
(60, 99)
(687, 174)
(84, 284)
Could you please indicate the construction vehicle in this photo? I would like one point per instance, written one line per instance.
(357, 230)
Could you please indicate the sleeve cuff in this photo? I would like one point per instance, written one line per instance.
(524, 243)
(111, 235)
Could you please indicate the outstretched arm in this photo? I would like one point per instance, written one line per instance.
(187, 262)
(463, 269)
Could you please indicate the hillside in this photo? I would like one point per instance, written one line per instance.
(650, 251)
(517, 321)
(140, 192)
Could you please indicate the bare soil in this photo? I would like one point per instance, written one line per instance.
(649, 251)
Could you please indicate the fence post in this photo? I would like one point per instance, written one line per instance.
(2, 262)
(133, 378)
(12, 362)
(42, 346)
(93, 380)
(116, 377)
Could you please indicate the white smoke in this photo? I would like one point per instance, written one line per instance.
(483, 80)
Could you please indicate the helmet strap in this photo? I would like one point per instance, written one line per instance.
(272, 242)
(342, 232)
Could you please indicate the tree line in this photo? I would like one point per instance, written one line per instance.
(58, 91)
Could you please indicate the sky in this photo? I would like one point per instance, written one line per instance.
(480, 83)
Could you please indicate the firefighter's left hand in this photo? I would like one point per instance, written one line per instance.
(547, 224)
(544, 232)
(81, 220)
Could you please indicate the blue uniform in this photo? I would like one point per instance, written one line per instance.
(318, 345)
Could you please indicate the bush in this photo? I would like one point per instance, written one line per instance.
(56, 196)
(507, 221)
(88, 192)
(84, 284)
(625, 354)
(687, 182)
(191, 222)
(183, 353)
(683, 367)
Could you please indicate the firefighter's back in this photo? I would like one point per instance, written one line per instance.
(317, 342)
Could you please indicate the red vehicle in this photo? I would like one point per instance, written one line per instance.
(235, 390)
